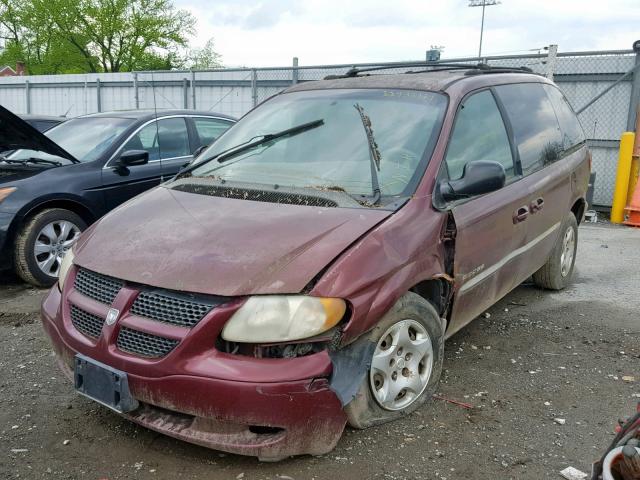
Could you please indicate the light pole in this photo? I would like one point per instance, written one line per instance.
(482, 3)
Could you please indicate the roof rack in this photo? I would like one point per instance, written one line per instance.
(474, 69)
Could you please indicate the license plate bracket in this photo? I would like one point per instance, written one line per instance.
(103, 384)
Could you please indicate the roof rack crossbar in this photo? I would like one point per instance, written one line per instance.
(435, 66)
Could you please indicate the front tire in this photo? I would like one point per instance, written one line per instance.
(406, 364)
(42, 243)
(556, 273)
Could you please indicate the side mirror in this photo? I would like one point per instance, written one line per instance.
(131, 158)
(478, 178)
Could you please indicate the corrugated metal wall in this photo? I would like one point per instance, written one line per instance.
(581, 75)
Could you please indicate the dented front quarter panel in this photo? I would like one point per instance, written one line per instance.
(384, 264)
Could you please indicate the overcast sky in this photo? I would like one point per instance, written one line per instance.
(271, 32)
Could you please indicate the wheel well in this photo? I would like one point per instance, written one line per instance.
(436, 291)
(75, 207)
(578, 209)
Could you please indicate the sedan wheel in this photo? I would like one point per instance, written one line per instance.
(52, 243)
(42, 243)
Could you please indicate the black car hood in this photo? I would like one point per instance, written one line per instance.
(15, 133)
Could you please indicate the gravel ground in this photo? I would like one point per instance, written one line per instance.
(537, 356)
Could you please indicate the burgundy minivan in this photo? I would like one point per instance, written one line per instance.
(305, 272)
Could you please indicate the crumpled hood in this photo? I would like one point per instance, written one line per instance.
(220, 246)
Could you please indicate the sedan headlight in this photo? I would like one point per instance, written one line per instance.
(65, 266)
(281, 318)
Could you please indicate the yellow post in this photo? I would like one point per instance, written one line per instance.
(622, 177)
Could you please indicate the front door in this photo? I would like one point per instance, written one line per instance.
(165, 140)
(491, 229)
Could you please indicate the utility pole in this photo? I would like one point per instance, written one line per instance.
(483, 4)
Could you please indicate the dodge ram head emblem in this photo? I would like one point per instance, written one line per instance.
(112, 316)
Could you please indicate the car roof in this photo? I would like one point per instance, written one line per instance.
(434, 80)
(149, 114)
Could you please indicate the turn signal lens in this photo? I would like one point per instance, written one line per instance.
(5, 192)
(65, 266)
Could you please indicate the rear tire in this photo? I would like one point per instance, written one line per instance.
(410, 313)
(42, 243)
(556, 273)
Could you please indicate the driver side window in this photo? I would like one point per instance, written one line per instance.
(168, 138)
(479, 134)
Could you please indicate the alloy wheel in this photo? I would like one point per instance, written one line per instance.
(52, 243)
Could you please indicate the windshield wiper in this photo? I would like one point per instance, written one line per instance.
(262, 139)
(32, 160)
(374, 153)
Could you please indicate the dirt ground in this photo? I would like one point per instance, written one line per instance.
(537, 356)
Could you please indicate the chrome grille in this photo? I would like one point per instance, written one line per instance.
(144, 344)
(97, 286)
(86, 323)
(171, 308)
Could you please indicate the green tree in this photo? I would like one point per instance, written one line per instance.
(35, 43)
(63, 36)
(203, 58)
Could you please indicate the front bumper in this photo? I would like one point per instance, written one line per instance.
(269, 408)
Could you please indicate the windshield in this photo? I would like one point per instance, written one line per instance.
(85, 138)
(336, 154)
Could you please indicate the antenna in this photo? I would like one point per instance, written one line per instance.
(155, 114)
(483, 4)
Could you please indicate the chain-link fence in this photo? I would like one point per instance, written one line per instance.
(583, 77)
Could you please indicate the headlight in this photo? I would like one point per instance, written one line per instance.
(281, 318)
(67, 261)
(5, 192)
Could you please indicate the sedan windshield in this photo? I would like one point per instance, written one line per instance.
(85, 138)
(400, 130)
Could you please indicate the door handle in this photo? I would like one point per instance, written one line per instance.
(521, 214)
(537, 205)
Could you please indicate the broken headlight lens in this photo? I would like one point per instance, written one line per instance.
(65, 266)
(281, 318)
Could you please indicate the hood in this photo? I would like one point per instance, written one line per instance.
(220, 246)
(15, 133)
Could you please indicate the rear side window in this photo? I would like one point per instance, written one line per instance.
(572, 133)
(209, 129)
(479, 134)
(534, 123)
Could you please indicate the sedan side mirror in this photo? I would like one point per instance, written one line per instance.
(131, 158)
(478, 178)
